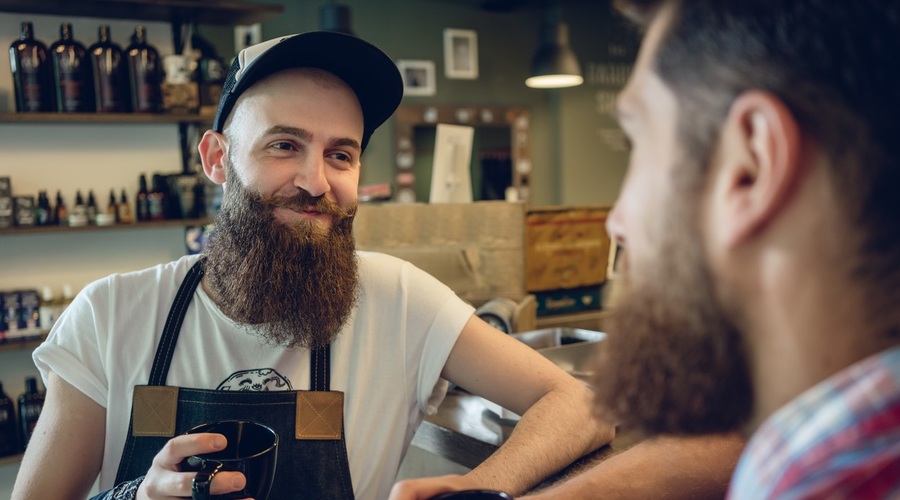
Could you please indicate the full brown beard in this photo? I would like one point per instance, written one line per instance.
(674, 362)
(295, 284)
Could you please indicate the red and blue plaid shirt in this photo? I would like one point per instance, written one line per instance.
(839, 439)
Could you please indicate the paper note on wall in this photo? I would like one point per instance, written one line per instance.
(451, 180)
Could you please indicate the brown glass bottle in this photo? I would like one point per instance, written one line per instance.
(109, 73)
(144, 73)
(31, 72)
(71, 73)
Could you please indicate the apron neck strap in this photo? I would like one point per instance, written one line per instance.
(320, 358)
(166, 346)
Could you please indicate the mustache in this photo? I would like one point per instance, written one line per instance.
(303, 201)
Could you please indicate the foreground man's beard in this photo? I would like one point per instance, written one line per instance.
(296, 284)
(674, 363)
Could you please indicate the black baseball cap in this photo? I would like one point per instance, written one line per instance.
(371, 74)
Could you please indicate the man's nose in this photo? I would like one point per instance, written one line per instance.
(310, 176)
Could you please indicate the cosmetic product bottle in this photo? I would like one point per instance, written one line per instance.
(31, 72)
(71, 73)
(124, 210)
(60, 214)
(9, 440)
(110, 74)
(144, 73)
(31, 402)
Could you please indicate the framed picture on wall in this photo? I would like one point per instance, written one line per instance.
(418, 77)
(460, 54)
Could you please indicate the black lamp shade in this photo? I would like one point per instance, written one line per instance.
(335, 17)
(554, 64)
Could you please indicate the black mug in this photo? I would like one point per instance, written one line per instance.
(252, 450)
(473, 495)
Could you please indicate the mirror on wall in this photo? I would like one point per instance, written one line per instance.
(501, 157)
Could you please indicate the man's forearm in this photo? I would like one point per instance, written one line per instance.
(558, 429)
(665, 467)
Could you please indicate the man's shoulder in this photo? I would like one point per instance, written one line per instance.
(153, 277)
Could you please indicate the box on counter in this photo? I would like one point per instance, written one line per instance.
(180, 97)
(6, 203)
(24, 211)
(565, 247)
(473, 248)
(570, 300)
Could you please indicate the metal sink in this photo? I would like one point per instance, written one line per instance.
(573, 349)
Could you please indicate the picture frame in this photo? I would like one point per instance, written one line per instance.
(418, 77)
(460, 54)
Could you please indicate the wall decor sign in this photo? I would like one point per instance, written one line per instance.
(460, 54)
(418, 77)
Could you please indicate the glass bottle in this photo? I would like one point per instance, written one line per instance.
(44, 215)
(31, 72)
(60, 214)
(31, 402)
(144, 73)
(71, 73)
(124, 210)
(142, 203)
(109, 73)
(9, 442)
(112, 208)
(91, 208)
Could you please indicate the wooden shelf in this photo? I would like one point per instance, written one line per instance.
(138, 118)
(17, 231)
(201, 11)
(22, 345)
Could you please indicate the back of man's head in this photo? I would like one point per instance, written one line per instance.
(834, 64)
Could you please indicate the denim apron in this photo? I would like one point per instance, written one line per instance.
(312, 454)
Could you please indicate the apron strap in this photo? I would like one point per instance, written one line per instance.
(170, 332)
(319, 369)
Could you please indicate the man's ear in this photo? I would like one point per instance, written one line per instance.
(758, 165)
(213, 150)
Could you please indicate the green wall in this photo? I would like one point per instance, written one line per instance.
(572, 163)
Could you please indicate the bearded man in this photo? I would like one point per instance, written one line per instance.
(760, 218)
(283, 322)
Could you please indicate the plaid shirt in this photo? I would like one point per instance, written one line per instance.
(839, 439)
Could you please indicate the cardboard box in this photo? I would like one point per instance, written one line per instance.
(565, 247)
(6, 203)
(474, 248)
(569, 300)
(24, 213)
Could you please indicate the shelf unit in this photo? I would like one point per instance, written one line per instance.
(87, 118)
(22, 231)
(176, 13)
(22, 345)
(172, 11)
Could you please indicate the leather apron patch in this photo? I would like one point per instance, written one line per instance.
(153, 410)
(320, 415)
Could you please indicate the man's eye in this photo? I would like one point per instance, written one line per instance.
(284, 146)
(341, 156)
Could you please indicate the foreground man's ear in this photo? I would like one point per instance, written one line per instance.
(213, 150)
(757, 166)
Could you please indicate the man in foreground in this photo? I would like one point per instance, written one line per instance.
(760, 218)
(282, 321)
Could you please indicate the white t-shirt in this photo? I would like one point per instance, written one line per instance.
(387, 359)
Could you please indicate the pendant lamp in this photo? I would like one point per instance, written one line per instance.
(335, 17)
(554, 64)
